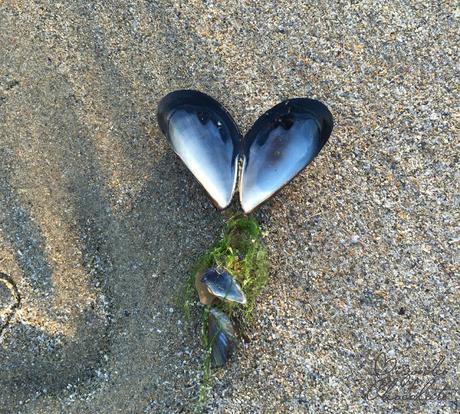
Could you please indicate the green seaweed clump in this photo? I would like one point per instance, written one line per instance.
(242, 253)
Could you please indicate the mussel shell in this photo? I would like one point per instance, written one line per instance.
(223, 285)
(279, 145)
(221, 337)
(205, 137)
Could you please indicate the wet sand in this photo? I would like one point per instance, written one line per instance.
(100, 222)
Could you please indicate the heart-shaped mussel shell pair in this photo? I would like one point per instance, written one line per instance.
(279, 145)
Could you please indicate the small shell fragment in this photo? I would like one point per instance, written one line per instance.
(221, 335)
(222, 285)
(206, 297)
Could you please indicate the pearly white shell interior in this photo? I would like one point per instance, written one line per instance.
(274, 160)
(207, 150)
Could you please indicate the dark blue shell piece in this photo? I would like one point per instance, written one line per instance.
(221, 337)
(223, 285)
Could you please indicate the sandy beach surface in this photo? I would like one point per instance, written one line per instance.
(100, 222)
